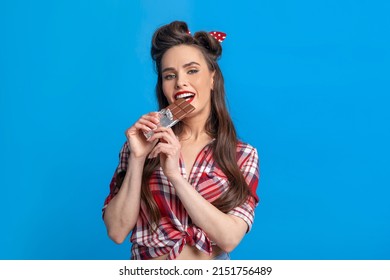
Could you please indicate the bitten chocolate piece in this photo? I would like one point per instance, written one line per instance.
(172, 114)
(180, 108)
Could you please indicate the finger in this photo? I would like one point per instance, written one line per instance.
(164, 148)
(166, 130)
(153, 117)
(144, 127)
(146, 122)
(174, 138)
(149, 119)
(173, 135)
(154, 153)
(153, 114)
(137, 128)
(163, 136)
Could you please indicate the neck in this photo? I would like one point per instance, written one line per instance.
(194, 128)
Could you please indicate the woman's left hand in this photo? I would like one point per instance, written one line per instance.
(168, 148)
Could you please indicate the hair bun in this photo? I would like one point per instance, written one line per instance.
(211, 44)
(169, 35)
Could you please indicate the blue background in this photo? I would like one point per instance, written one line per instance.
(307, 84)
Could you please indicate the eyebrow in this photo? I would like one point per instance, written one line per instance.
(184, 66)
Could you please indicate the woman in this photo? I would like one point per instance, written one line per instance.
(187, 192)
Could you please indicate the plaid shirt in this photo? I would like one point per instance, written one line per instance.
(176, 228)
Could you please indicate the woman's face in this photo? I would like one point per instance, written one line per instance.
(185, 75)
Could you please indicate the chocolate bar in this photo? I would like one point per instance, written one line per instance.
(180, 108)
(172, 114)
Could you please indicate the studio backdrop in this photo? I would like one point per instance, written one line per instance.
(307, 84)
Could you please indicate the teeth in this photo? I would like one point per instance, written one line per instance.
(184, 95)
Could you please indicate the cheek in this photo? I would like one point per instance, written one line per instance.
(168, 92)
(165, 89)
(208, 83)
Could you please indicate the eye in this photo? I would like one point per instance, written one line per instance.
(193, 71)
(169, 76)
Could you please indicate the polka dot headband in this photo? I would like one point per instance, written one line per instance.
(219, 36)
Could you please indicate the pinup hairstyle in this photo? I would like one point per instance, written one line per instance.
(218, 125)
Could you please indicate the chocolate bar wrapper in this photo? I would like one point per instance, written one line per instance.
(172, 114)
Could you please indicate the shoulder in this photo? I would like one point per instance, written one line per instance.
(245, 148)
(246, 152)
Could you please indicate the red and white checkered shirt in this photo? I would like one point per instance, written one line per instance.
(176, 228)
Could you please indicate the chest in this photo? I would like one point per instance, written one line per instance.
(191, 154)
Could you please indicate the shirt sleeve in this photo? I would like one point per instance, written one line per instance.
(250, 170)
(119, 175)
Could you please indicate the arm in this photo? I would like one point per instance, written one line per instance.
(122, 211)
(225, 229)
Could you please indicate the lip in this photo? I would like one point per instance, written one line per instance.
(181, 92)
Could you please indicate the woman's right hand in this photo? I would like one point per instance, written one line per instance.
(138, 144)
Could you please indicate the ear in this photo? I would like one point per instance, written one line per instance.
(212, 80)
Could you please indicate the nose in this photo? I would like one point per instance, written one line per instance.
(180, 82)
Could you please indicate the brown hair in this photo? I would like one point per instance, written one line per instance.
(218, 125)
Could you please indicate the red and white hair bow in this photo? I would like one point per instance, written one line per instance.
(219, 36)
